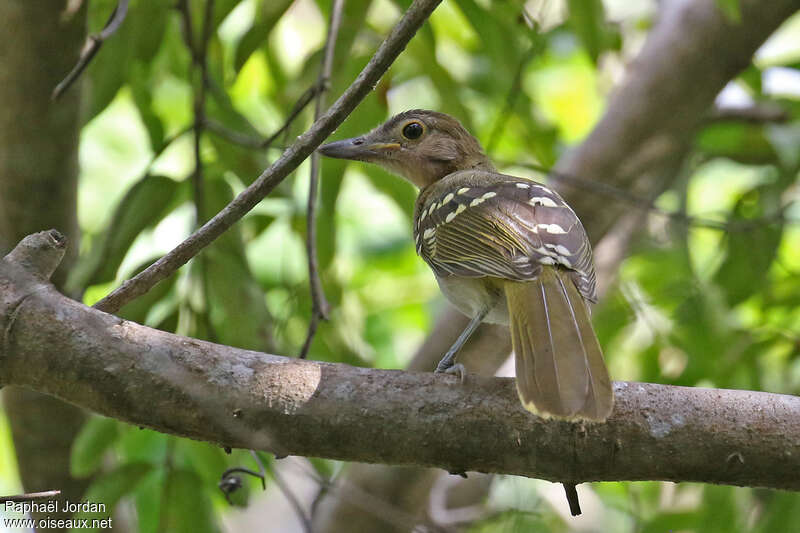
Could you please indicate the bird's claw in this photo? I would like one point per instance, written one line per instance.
(457, 369)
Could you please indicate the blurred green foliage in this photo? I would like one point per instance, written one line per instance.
(692, 305)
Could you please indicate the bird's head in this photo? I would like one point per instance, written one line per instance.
(421, 146)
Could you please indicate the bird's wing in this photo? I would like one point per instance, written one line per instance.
(507, 229)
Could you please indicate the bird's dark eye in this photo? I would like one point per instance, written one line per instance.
(412, 130)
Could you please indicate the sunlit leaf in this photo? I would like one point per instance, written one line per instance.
(268, 13)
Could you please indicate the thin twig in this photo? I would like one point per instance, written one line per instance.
(366, 502)
(320, 308)
(394, 44)
(199, 54)
(287, 492)
(92, 46)
(571, 491)
(633, 199)
(30, 496)
(248, 141)
(754, 114)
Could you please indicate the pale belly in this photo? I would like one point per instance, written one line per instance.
(470, 295)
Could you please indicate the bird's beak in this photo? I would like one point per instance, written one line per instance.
(357, 148)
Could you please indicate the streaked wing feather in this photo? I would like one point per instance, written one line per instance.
(505, 230)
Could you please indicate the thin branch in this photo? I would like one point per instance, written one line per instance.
(320, 308)
(622, 195)
(399, 37)
(92, 46)
(287, 493)
(199, 54)
(30, 496)
(758, 113)
(248, 141)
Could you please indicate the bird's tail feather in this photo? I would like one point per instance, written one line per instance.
(560, 368)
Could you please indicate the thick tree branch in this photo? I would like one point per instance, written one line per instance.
(246, 399)
(397, 40)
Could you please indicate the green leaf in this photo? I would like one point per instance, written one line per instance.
(109, 488)
(137, 39)
(498, 36)
(142, 207)
(223, 8)
(745, 143)
(670, 521)
(91, 443)
(268, 14)
(751, 247)
(141, 91)
(148, 24)
(207, 460)
(187, 507)
(731, 10)
(778, 509)
(587, 19)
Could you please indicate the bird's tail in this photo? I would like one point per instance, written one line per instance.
(560, 368)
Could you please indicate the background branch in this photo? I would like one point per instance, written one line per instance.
(319, 304)
(92, 46)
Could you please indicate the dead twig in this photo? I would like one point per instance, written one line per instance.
(319, 304)
(248, 141)
(30, 496)
(92, 46)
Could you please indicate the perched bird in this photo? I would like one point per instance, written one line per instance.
(504, 250)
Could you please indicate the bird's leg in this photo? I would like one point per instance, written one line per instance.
(447, 363)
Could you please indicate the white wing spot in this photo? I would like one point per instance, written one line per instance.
(463, 190)
(542, 200)
(428, 233)
(460, 209)
(450, 216)
(544, 251)
(547, 261)
(448, 198)
(559, 249)
(476, 201)
(552, 228)
(562, 250)
(490, 194)
(523, 186)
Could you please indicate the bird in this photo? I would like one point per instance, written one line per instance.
(504, 250)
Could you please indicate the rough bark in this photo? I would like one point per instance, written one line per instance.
(245, 399)
(638, 145)
(38, 190)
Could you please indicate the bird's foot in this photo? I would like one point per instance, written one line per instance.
(455, 368)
